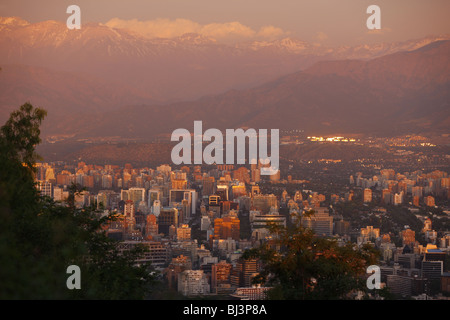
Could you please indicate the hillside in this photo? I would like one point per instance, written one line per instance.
(406, 92)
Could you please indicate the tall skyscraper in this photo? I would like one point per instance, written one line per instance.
(320, 222)
(178, 265)
(386, 196)
(151, 226)
(153, 194)
(137, 195)
(227, 227)
(167, 217)
(44, 188)
(243, 273)
(429, 201)
(408, 237)
(208, 186)
(367, 197)
(129, 209)
(220, 275)
(263, 202)
(193, 282)
(183, 233)
(222, 191)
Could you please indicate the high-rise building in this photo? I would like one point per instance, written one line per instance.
(208, 186)
(222, 191)
(349, 196)
(416, 201)
(342, 227)
(214, 200)
(432, 269)
(82, 199)
(151, 226)
(63, 178)
(193, 282)
(407, 260)
(298, 197)
(137, 195)
(427, 225)
(238, 191)
(386, 196)
(244, 272)
(126, 179)
(241, 174)
(320, 222)
(157, 253)
(399, 285)
(183, 233)
(134, 194)
(87, 181)
(445, 282)
(432, 253)
(417, 191)
(220, 275)
(227, 227)
(367, 197)
(368, 233)
(44, 188)
(107, 181)
(167, 217)
(429, 201)
(256, 175)
(254, 293)
(153, 194)
(445, 241)
(156, 208)
(129, 209)
(179, 184)
(102, 200)
(264, 202)
(351, 180)
(408, 237)
(398, 198)
(263, 221)
(178, 265)
(255, 191)
(205, 223)
(177, 196)
(59, 194)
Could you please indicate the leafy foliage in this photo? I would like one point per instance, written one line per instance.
(299, 265)
(39, 238)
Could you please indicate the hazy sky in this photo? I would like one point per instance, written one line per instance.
(329, 22)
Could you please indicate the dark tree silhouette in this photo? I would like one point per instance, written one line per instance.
(39, 238)
(298, 264)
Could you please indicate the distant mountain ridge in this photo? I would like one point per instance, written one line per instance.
(182, 68)
(102, 81)
(401, 93)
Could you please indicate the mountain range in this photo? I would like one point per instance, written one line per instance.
(100, 81)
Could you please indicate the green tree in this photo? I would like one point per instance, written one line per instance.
(39, 238)
(299, 265)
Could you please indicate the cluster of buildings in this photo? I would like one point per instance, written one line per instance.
(188, 220)
(196, 224)
(397, 188)
(411, 269)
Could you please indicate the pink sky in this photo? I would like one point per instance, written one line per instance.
(330, 22)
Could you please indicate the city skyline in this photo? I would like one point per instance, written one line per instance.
(234, 207)
(135, 151)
